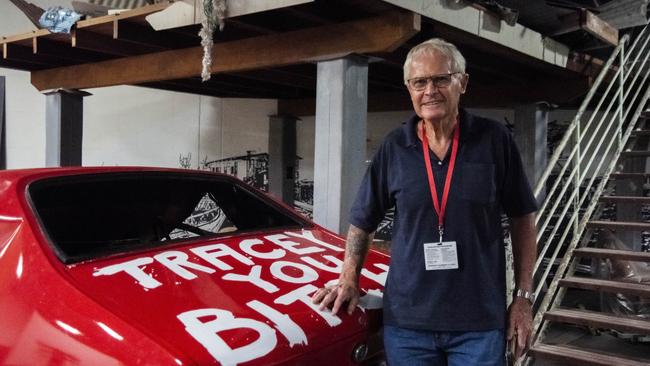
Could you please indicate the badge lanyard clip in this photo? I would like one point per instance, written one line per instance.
(440, 208)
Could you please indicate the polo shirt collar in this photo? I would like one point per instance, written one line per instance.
(410, 127)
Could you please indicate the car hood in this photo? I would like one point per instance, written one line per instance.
(234, 299)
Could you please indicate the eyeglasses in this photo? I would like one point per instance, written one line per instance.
(439, 81)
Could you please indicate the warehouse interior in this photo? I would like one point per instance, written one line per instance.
(298, 95)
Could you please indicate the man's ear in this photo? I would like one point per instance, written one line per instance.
(463, 83)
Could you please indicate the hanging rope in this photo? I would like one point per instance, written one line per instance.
(215, 12)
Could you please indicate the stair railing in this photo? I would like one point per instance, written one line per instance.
(577, 184)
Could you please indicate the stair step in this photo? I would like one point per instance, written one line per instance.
(599, 320)
(629, 175)
(636, 153)
(625, 199)
(613, 254)
(619, 225)
(640, 132)
(573, 356)
(628, 288)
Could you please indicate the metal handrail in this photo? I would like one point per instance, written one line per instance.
(556, 154)
(597, 141)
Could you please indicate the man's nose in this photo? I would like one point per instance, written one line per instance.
(430, 88)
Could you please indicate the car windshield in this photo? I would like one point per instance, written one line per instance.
(87, 217)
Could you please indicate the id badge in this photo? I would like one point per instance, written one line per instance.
(439, 256)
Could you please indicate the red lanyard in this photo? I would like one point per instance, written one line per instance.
(440, 209)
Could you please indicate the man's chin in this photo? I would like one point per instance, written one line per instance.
(433, 115)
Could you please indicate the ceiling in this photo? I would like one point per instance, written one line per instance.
(499, 76)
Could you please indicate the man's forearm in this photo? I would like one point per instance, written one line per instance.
(356, 247)
(524, 250)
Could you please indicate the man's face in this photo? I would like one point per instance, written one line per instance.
(435, 103)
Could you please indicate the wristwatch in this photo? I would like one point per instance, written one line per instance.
(530, 296)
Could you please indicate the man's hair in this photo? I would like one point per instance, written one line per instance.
(436, 45)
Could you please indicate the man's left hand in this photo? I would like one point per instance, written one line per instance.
(520, 325)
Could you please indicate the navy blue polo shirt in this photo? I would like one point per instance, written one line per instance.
(488, 180)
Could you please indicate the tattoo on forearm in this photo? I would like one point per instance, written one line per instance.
(358, 241)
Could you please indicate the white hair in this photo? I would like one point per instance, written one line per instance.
(435, 45)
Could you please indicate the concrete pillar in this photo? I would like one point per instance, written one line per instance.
(340, 141)
(64, 127)
(3, 129)
(282, 157)
(531, 124)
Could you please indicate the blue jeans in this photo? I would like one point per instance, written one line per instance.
(414, 347)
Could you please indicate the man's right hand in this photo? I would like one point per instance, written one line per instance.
(347, 289)
(337, 295)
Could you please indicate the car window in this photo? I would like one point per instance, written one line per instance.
(87, 217)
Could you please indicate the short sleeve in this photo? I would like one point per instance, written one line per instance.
(517, 198)
(373, 198)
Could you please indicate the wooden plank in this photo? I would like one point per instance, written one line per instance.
(106, 44)
(65, 51)
(577, 357)
(613, 254)
(21, 65)
(140, 12)
(636, 153)
(25, 36)
(619, 225)
(629, 175)
(637, 289)
(26, 54)
(599, 320)
(590, 23)
(378, 34)
(625, 199)
(599, 28)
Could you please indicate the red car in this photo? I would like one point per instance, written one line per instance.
(139, 266)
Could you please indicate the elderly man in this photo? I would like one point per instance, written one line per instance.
(449, 175)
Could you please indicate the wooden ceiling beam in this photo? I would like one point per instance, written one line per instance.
(242, 26)
(378, 34)
(133, 15)
(64, 50)
(563, 92)
(589, 22)
(87, 40)
(26, 54)
(278, 77)
(145, 35)
(213, 90)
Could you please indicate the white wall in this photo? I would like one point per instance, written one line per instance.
(128, 125)
(25, 117)
(139, 126)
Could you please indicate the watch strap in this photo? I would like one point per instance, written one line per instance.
(528, 295)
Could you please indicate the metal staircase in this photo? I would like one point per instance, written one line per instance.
(589, 166)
